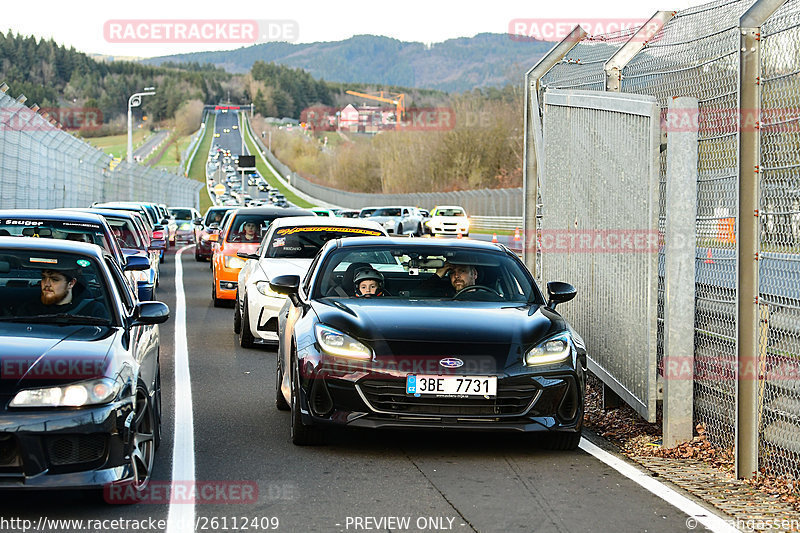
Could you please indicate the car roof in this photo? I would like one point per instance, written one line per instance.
(118, 213)
(52, 214)
(449, 207)
(53, 245)
(428, 243)
(273, 211)
(327, 221)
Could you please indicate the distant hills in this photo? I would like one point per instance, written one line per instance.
(486, 60)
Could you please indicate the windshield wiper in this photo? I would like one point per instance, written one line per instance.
(64, 318)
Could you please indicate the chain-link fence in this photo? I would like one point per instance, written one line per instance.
(44, 167)
(698, 53)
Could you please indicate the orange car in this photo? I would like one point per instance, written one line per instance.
(243, 231)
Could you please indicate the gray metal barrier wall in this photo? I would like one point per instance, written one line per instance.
(599, 230)
(44, 167)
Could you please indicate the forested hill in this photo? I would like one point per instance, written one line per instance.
(486, 60)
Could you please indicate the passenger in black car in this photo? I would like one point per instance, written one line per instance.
(60, 293)
(368, 283)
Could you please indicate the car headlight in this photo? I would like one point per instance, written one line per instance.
(334, 342)
(550, 351)
(263, 288)
(140, 275)
(466, 223)
(204, 237)
(233, 261)
(81, 394)
(388, 224)
(185, 225)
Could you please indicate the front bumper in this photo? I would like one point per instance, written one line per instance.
(263, 313)
(65, 448)
(337, 394)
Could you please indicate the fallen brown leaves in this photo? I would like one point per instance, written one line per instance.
(636, 437)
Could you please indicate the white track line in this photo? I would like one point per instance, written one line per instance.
(181, 514)
(697, 513)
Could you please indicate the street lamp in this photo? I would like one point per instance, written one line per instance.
(135, 101)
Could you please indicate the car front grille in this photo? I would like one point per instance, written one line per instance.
(74, 449)
(514, 398)
(9, 454)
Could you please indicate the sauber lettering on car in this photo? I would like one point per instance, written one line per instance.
(288, 248)
(494, 355)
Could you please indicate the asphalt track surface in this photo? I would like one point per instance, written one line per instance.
(360, 481)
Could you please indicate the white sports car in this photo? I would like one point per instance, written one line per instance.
(288, 247)
(448, 220)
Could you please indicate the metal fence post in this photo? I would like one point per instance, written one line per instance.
(532, 142)
(747, 236)
(679, 274)
(613, 67)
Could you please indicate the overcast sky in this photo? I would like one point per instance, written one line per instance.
(81, 24)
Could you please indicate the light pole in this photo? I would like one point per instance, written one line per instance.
(134, 101)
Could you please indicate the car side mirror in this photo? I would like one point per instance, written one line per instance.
(147, 313)
(559, 292)
(137, 262)
(289, 285)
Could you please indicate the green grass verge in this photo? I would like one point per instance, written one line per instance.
(117, 145)
(267, 173)
(198, 169)
(170, 159)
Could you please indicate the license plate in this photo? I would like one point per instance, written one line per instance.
(429, 385)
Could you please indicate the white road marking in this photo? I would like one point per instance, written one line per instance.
(181, 515)
(697, 513)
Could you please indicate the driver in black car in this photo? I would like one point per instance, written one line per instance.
(58, 296)
(461, 277)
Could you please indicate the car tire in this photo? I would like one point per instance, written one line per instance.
(237, 315)
(302, 435)
(419, 232)
(143, 435)
(217, 301)
(280, 402)
(399, 229)
(246, 339)
(162, 256)
(197, 256)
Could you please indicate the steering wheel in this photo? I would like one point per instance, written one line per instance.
(473, 288)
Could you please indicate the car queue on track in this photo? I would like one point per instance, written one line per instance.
(493, 355)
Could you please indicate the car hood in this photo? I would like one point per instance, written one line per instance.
(279, 267)
(450, 219)
(41, 354)
(485, 333)
(381, 220)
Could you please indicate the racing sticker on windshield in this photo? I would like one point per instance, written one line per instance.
(8, 222)
(279, 242)
(317, 229)
(83, 262)
(46, 260)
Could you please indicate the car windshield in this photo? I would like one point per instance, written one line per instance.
(43, 286)
(305, 241)
(409, 272)
(214, 215)
(387, 212)
(249, 228)
(125, 232)
(181, 214)
(56, 229)
(450, 212)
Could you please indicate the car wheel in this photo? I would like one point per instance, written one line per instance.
(143, 449)
(419, 231)
(237, 315)
(399, 229)
(302, 435)
(197, 256)
(161, 257)
(217, 301)
(280, 402)
(246, 339)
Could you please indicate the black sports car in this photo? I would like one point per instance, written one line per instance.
(461, 338)
(80, 387)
